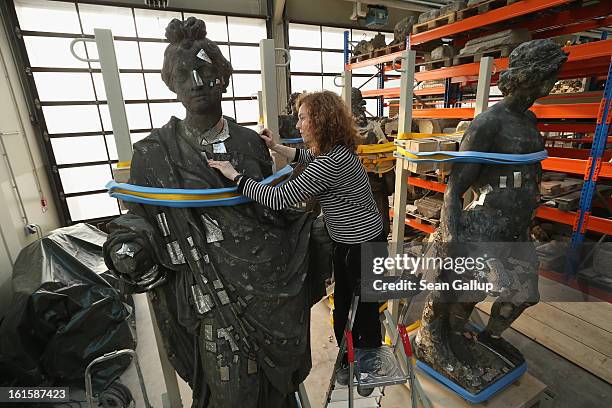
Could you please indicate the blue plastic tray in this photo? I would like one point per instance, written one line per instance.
(483, 395)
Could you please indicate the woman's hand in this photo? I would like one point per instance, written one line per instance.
(225, 168)
(266, 135)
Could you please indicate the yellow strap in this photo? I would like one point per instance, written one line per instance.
(376, 148)
(123, 164)
(406, 153)
(406, 136)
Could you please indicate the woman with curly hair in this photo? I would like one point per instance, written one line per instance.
(337, 179)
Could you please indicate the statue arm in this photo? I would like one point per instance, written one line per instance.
(130, 248)
(477, 138)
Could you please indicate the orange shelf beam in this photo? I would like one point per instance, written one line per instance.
(596, 224)
(373, 61)
(427, 184)
(567, 127)
(411, 222)
(543, 27)
(572, 68)
(561, 111)
(394, 92)
(574, 166)
(517, 9)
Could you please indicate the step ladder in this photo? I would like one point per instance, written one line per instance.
(374, 368)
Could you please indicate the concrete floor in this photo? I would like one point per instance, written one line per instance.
(570, 385)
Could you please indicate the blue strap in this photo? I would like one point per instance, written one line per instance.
(293, 140)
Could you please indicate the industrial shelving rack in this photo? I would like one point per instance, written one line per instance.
(553, 18)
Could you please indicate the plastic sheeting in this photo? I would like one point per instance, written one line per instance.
(65, 313)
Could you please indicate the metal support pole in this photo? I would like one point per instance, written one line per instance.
(484, 85)
(121, 132)
(381, 85)
(592, 173)
(401, 167)
(347, 76)
(269, 100)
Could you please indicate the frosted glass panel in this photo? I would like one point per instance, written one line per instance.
(249, 30)
(112, 147)
(358, 81)
(156, 88)
(55, 17)
(247, 111)
(328, 84)
(305, 61)
(138, 136)
(305, 83)
(152, 54)
(227, 107)
(216, 28)
(333, 62)
(68, 150)
(371, 107)
(53, 52)
(92, 206)
(86, 178)
(333, 37)
(153, 23)
(117, 19)
(125, 51)
(162, 112)
(132, 86)
(225, 51)
(56, 86)
(138, 116)
(247, 84)
(245, 57)
(71, 119)
(302, 35)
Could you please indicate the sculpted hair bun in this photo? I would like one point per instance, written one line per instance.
(191, 29)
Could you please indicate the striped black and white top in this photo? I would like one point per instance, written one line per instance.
(340, 183)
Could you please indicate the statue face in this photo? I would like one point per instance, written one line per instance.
(197, 83)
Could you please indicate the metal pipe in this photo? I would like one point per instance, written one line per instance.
(412, 5)
(24, 215)
(23, 131)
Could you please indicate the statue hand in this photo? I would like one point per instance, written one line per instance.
(131, 259)
(266, 136)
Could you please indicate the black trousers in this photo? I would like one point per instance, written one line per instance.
(347, 274)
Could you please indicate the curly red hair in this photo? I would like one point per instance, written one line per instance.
(331, 121)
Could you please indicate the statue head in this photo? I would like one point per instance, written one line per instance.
(194, 67)
(358, 107)
(532, 69)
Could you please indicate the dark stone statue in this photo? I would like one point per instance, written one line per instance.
(495, 225)
(288, 120)
(230, 285)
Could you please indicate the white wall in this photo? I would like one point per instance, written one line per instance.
(12, 233)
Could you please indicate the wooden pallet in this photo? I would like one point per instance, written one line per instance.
(438, 63)
(378, 53)
(483, 8)
(578, 330)
(435, 23)
(496, 53)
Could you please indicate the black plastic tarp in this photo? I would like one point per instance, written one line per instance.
(65, 313)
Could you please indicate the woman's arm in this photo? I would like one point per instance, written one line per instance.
(316, 178)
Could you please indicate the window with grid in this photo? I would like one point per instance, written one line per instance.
(72, 95)
(317, 56)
